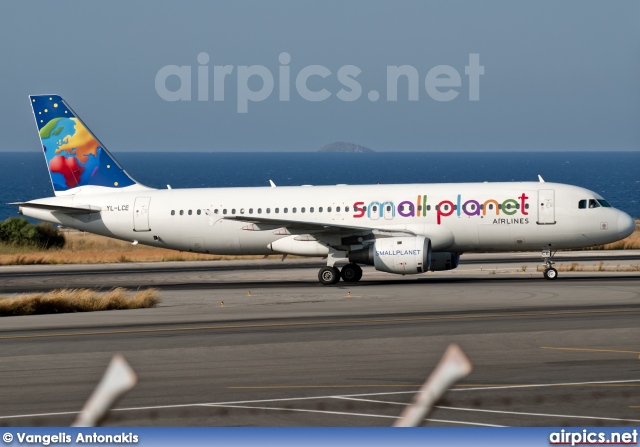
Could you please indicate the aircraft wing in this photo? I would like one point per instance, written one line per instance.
(325, 227)
(76, 209)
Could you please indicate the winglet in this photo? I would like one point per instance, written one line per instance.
(540, 178)
(273, 185)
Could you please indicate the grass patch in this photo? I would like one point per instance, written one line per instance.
(76, 300)
(86, 248)
(600, 267)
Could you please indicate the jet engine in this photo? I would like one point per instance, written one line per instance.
(403, 255)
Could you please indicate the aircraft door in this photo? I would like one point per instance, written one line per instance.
(546, 207)
(337, 211)
(373, 211)
(388, 210)
(141, 214)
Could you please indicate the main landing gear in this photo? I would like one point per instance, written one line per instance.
(549, 271)
(331, 275)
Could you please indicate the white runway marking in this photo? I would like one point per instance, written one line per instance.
(542, 385)
(362, 397)
(371, 400)
(35, 415)
(465, 423)
(342, 413)
(303, 410)
(570, 416)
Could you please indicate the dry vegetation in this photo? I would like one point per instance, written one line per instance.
(76, 300)
(599, 267)
(85, 248)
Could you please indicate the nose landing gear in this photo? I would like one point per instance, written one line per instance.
(549, 271)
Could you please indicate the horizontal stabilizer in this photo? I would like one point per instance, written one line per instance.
(76, 209)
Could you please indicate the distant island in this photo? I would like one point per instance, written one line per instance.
(343, 146)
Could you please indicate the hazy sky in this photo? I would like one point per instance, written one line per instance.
(558, 75)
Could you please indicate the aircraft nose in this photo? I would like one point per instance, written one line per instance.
(626, 225)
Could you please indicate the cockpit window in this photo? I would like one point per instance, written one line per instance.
(582, 204)
(604, 203)
(593, 203)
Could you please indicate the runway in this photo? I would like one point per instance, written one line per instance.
(299, 273)
(288, 352)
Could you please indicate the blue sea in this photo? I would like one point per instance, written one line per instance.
(614, 175)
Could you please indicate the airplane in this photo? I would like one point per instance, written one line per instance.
(403, 229)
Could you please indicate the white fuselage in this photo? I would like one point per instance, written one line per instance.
(461, 217)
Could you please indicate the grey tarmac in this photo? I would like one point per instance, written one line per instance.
(263, 344)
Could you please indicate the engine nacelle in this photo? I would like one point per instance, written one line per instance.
(403, 255)
(444, 260)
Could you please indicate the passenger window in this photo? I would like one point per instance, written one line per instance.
(491, 206)
(582, 204)
(388, 208)
(337, 209)
(346, 209)
(241, 210)
(277, 210)
(215, 211)
(173, 212)
(259, 210)
(320, 209)
(189, 213)
(593, 203)
(286, 210)
(311, 210)
(198, 212)
(181, 212)
(233, 211)
(268, 210)
(428, 207)
(294, 210)
(374, 208)
(224, 211)
(328, 209)
(302, 209)
(250, 210)
(526, 206)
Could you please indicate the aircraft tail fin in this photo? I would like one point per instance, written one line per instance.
(75, 157)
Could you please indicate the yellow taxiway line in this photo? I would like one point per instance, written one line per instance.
(325, 323)
(619, 351)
